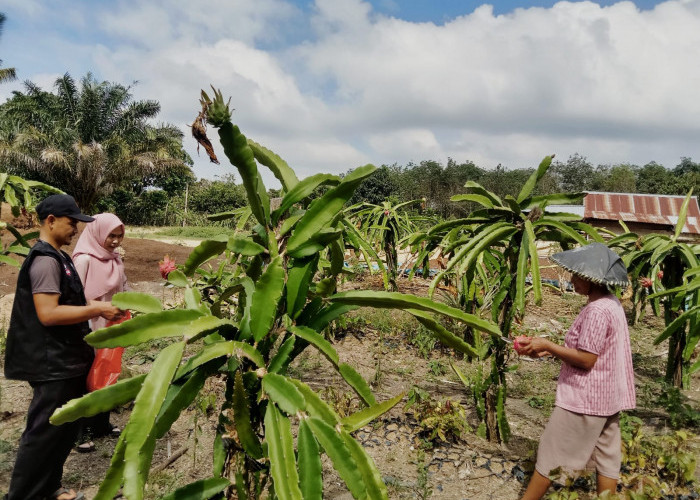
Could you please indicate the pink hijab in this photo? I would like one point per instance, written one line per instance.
(106, 269)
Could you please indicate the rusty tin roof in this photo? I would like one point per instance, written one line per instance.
(645, 208)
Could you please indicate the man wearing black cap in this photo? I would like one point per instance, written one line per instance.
(45, 347)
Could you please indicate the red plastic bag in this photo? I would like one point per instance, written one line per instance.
(107, 365)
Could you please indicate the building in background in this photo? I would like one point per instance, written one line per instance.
(641, 213)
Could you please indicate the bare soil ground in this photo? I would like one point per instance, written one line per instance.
(385, 348)
(140, 260)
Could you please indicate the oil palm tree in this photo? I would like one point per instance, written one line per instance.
(86, 139)
(6, 74)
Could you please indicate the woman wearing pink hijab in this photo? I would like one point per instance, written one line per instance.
(102, 272)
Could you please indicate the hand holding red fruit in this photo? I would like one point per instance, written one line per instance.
(535, 347)
(518, 342)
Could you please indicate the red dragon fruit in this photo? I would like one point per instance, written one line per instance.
(166, 266)
(517, 342)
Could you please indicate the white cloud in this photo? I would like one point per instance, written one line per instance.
(27, 7)
(523, 71)
(615, 84)
(422, 143)
(158, 22)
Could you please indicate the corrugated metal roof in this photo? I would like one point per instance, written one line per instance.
(646, 208)
(567, 209)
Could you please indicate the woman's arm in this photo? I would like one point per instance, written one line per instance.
(125, 283)
(538, 346)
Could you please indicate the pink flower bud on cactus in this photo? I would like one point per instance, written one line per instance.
(517, 342)
(166, 266)
(645, 282)
(660, 275)
(386, 212)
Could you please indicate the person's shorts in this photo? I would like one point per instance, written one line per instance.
(573, 442)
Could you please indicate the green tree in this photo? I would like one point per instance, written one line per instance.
(6, 74)
(378, 187)
(461, 173)
(620, 178)
(426, 180)
(209, 197)
(653, 178)
(455, 175)
(435, 182)
(687, 166)
(503, 182)
(173, 180)
(150, 207)
(623, 178)
(687, 177)
(575, 175)
(137, 204)
(86, 140)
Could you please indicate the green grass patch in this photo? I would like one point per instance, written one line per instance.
(187, 232)
(192, 232)
(163, 482)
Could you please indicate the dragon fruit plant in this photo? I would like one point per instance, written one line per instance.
(268, 298)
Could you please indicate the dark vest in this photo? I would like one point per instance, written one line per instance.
(35, 352)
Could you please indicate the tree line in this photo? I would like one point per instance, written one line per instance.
(437, 182)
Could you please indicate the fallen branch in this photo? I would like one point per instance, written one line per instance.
(169, 460)
(481, 477)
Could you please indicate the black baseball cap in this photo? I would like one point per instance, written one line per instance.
(61, 205)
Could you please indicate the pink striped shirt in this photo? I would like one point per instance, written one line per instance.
(608, 387)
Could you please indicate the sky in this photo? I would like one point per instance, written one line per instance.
(331, 85)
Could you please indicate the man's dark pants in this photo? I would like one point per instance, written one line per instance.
(44, 448)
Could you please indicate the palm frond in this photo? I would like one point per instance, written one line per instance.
(55, 158)
(7, 74)
(67, 93)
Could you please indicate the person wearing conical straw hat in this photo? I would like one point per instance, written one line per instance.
(596, 381)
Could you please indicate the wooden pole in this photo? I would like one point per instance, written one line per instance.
(187, 192)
